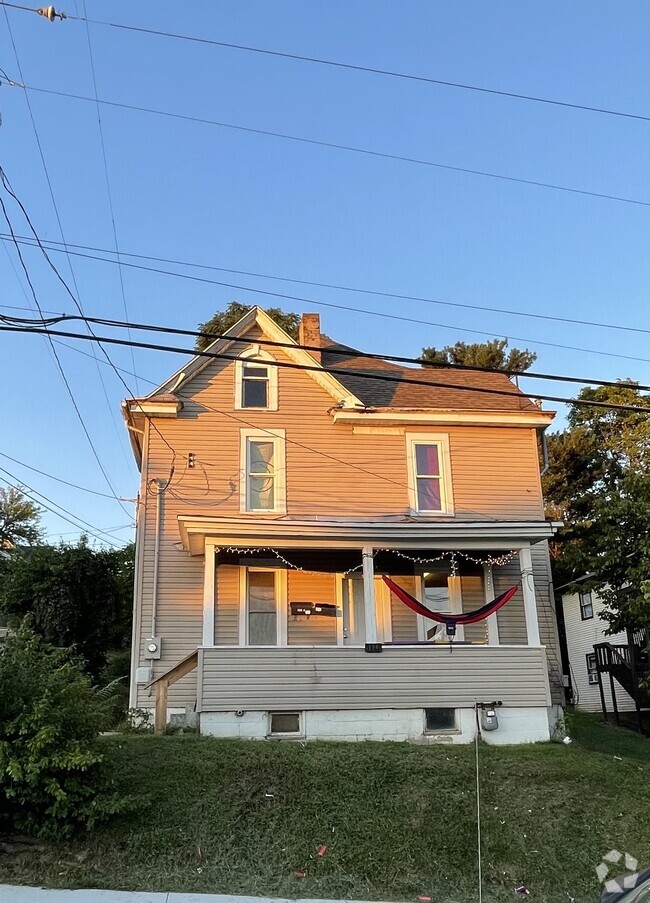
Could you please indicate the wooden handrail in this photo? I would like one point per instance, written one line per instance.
(164, 682)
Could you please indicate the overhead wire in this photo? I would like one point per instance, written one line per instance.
(108, 181)
(60, 365)
(51, 476)
(357, 374)
(30, 492)
(371, 313)
(336, 146)
(58, 217)
(354, 67)
(51, 245)
(344, 351)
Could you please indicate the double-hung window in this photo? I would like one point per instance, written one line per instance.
(262, 471)
(586, 606)
(256, 381)
(429, 474)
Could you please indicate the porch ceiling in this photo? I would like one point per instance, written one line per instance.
(254, 532)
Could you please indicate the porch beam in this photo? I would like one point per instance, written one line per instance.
(209, 594)
(367, 556)
(528, 590)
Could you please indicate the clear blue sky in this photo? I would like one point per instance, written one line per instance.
(242, 201)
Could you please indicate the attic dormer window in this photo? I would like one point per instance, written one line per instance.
(256, 381)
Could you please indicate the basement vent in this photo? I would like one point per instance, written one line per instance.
(440, 719)
(285, 723)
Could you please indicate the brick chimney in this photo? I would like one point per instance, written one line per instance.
(309, 333)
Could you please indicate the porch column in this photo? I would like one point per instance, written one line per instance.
(492, 623)
(209, 594)
(369, 593)
(528, 590)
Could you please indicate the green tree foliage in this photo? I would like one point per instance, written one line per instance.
(19, 519)
(493, 354)
(75, 595)
(52, 777)
(223, 320)
(598, 484)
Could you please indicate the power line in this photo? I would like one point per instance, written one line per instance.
(351, 66)
(108, 182)
(58, 219)
(51, 476)
(51, 245)
(348, 308)
(30, 492)
(56, 356)
(357, 374)
(342, 350)
(334, 146)
(78, 306)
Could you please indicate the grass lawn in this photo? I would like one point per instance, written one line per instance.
(398, 821)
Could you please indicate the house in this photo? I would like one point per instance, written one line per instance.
(603, 667)
(279, 483)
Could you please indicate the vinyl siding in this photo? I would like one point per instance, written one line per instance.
(581, 637)
(330, 472)
(399, 677)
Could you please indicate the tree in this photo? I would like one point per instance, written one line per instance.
(76, 597)
(598, 484)
(492, 354)
(19, 519)
(223, 320)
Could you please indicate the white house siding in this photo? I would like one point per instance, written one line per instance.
(581, 637)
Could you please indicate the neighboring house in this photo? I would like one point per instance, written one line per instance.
(273, 498)
(585, 628)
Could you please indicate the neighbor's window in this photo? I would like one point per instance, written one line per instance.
(428, 468)
(262, 609)
(586, 606)
(263, 473)
(592, 670)
(256, 381)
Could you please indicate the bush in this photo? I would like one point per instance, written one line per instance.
(52, 775)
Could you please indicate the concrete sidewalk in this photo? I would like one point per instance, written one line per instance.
(16, 894)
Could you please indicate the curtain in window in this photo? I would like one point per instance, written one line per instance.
(261, 477)
(427, 467)
(262, 609)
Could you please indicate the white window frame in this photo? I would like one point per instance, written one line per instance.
(444, 458)
(277, 437)
(280, 603)
(588, 604)
(253, 355)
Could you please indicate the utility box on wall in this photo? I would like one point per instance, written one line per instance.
(152, 647)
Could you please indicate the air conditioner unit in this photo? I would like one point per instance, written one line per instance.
(593, 677)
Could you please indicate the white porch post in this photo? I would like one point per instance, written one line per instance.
(209, 594)
(492, 623)
(528, 590)
(369, 594)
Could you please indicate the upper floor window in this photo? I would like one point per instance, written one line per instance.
(429, 474)
(262, 469)
(256, 381)
(586, 606)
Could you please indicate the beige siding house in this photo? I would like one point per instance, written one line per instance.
(280, 481)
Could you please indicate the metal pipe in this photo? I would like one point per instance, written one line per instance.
(156, 554)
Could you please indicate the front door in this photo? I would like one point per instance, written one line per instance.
(354, 614)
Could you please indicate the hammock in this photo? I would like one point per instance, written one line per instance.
(450, 621)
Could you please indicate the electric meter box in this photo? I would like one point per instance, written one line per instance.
(152, 647)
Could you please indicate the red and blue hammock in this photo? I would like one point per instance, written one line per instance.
(450, 621)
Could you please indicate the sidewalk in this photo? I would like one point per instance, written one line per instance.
(15, 894)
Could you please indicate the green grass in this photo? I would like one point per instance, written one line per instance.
(398, 820)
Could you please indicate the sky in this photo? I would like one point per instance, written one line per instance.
(242, 201)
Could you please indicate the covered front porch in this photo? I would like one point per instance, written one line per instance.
(298, 622)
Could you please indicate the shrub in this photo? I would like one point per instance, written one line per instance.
(52, 774)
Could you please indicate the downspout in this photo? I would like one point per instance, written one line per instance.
(160, 488)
